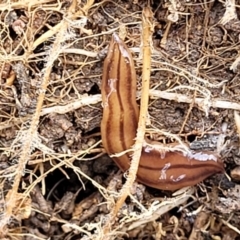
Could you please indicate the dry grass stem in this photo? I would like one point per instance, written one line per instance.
(147, 25)
(230, 12)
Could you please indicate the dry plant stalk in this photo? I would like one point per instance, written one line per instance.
(23, 4)
(230, 12)
(153, 94)
(237, 121)
(147, 24)
(147, 36)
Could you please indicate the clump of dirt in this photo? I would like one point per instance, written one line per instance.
(56, 180)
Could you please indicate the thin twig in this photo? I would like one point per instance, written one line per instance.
(146, 38)
(153, 94)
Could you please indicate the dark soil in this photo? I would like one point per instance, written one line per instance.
(56, 180)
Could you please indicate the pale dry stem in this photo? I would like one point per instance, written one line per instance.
(22, 4)
(230, 12)
(153, 94)
(146, 39)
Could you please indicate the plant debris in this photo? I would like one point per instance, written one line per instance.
(56, 180)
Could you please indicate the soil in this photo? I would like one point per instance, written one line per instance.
(57, 182)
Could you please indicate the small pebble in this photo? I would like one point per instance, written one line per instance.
(235, 173)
